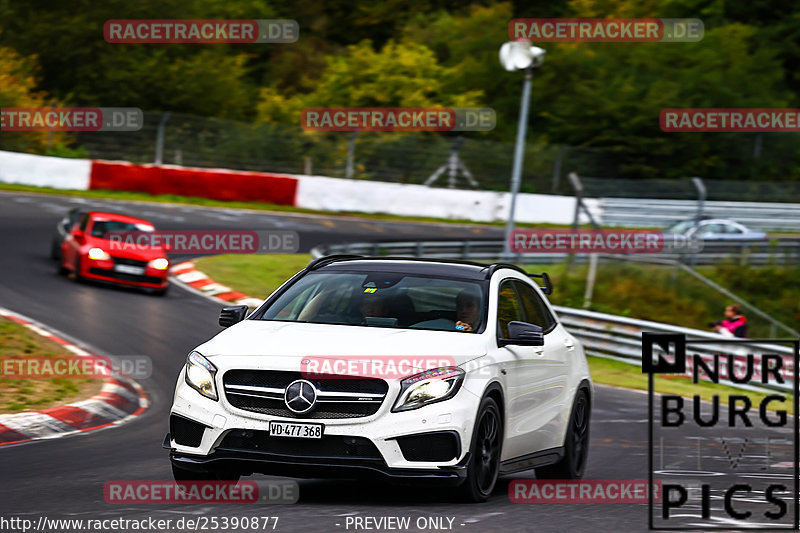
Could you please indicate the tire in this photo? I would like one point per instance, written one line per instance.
(484, 464)
(576, 443)
(60, 268)
(77, 271)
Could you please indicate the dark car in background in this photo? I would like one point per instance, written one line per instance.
(62, 230)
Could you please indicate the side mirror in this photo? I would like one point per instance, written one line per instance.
(523, 334)
(232, 315)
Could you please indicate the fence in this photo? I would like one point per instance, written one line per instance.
(400, 157)
(778, 251)
(642, 212)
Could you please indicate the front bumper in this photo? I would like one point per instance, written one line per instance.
(381, 434)
(246, 462)
(101, 270)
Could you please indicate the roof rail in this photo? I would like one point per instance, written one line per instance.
(328, 259)
(547, 287)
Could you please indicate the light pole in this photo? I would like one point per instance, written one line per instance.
(519, 55)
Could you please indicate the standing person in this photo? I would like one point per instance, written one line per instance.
(733, 325)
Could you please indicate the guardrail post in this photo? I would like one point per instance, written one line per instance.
(590, 277)
(162, 125)
(351, 155)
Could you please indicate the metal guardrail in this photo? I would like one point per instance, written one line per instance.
(653, 213)
(783, 251)
(620, 338)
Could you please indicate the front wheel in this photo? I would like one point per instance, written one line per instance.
(484, 463)
(576, 444)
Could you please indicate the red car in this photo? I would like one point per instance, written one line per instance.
(89, 253)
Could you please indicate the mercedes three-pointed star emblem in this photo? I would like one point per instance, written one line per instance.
(300, 396)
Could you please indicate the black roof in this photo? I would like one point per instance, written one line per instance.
(410, 265)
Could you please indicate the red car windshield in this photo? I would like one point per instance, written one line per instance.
(101, 228)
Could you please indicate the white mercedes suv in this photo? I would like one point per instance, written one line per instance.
(408, 369)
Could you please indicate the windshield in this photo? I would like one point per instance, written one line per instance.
(682, 226)
(102, 228)
(382, 299)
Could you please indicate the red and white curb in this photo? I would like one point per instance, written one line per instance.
(192, 279)
(120, 400)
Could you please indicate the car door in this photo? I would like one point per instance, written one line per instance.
(536, 376)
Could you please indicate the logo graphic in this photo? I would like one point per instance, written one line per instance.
(724, 456)
(665, 342)
(300, 396)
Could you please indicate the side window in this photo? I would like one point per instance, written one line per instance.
(508, 307)
(535, 310)
(730, 228)
(84, 221)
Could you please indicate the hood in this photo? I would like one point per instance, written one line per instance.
(283, 345)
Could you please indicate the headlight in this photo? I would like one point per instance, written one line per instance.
(428, 387)
(98, 254)
(159, 264)
(200, 375)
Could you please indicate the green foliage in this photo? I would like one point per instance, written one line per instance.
(604, 96)
(664, 294)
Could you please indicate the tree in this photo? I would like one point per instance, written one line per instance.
(18, 89)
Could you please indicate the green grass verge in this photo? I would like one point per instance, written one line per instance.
(254, 275)
(18, 342)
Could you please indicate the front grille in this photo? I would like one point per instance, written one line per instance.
(129, 262)
(186, 432)
(440, 446)
(262, 391)
(337, 446)
(125, 277)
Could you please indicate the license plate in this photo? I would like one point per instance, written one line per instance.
(127, 269)
(297, 430)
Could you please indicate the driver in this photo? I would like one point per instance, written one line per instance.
(468, 311)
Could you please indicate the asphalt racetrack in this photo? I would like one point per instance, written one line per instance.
(64, 477)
